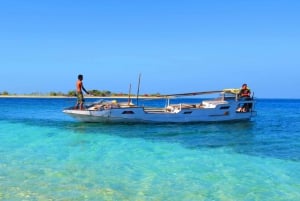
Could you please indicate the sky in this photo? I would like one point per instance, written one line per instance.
(177, 46)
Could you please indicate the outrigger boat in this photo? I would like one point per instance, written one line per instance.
(227, 107)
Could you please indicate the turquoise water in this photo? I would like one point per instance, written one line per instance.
(46, 155)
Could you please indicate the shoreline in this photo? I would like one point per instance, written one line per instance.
(110, 97)
(71, 97)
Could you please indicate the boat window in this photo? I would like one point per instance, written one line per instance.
(189, 112)
(128, 112)
(224, 107)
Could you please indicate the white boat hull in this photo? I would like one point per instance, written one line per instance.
(216, 112)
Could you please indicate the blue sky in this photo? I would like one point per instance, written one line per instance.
(177, 46)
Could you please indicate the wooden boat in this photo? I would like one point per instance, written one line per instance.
(227, 107)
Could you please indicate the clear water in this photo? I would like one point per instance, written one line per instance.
(46, 155)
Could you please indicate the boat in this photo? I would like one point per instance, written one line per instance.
(227, 106)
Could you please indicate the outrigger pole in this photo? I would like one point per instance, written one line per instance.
(138, 91)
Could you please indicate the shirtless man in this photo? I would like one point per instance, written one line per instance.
(79, 89)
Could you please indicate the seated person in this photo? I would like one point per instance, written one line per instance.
(244, 92)
(245, 95)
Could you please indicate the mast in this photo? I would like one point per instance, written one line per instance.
(129, 96)
(138, 90)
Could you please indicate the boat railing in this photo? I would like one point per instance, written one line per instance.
(246, 105)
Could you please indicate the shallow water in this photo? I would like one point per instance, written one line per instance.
(46, 155)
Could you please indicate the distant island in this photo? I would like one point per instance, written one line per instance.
(94, 93)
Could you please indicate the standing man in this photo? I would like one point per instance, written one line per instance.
(79, 89)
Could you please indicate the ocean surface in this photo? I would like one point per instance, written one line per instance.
(46, 155)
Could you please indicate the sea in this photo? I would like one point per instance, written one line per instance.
(47, 155)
